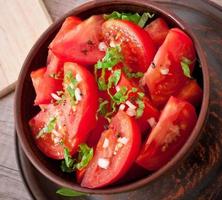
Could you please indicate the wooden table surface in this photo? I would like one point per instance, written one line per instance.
(11, 184)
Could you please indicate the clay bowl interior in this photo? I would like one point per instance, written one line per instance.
(25, 94)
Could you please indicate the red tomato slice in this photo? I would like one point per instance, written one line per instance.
(81, 119)
(191, 92)
(37, 77)
(137, 47)
(158, 30)
(54, 65)
(165, 77)
(175, 125)
(111, 161)
(80, 174)
(149, 118)
(49, 143)
(95, 134)
(44, 86)
(69, 24)
(80, 44)
(150, 113)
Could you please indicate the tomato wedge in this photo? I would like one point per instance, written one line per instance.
(165, 77)
(158, 30)
(115, 153)
(137, 47)
(191, 92)
(49, 142)
(175, 125)
(95, 134)
(150, 113)
(80, 44)
(44, 91)
(81, 104)
(68, 25)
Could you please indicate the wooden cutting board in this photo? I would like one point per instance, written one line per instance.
(21, 23)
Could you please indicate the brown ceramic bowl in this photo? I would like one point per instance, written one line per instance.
(24, 109)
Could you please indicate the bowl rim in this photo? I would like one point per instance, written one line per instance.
(184, 151)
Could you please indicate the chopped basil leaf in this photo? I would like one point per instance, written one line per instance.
(144, 18)
(135, 18)
(69, 192)
(114, 78)
(120, 96)
(70, 164)
(71, 84)
(102, 107)
(141, 95)
(125, 16)
(101, 84)
(47, 128)
(132, 74)
(140, 109)
(185, 66)
(85, 155)
(113, 56)
(67, 164)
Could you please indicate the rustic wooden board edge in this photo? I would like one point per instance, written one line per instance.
(11, 87)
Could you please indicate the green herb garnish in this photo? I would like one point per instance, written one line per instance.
(47, 128)
(140, 109)
(113, 56)
(102, 107)
(85, 155)
(135, 18)
(132, 74)
(70, 164)
(71, 84)
(185, 64)
(69, 192)
(114, 78)
(144, 18)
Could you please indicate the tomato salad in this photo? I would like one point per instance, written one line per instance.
(116, 93)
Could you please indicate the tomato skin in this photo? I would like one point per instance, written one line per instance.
(169, 56)
(37, 77)
(46, 143)
(83, 120)
(69, 24)
(80, 44)
(80, 174)
(158, 30)
(191, 92)
(137, 47)
(175, 125)
(120, 163)
(44, 86)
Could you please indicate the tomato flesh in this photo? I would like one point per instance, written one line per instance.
(68, 25)
(121, 126)
(44, 91)
(175, 125)
(158, 30)
(49, 143)
(191, 92)
(137, 47)
(82, 119)
(165, 76)
(149, 110)
(80, 44)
